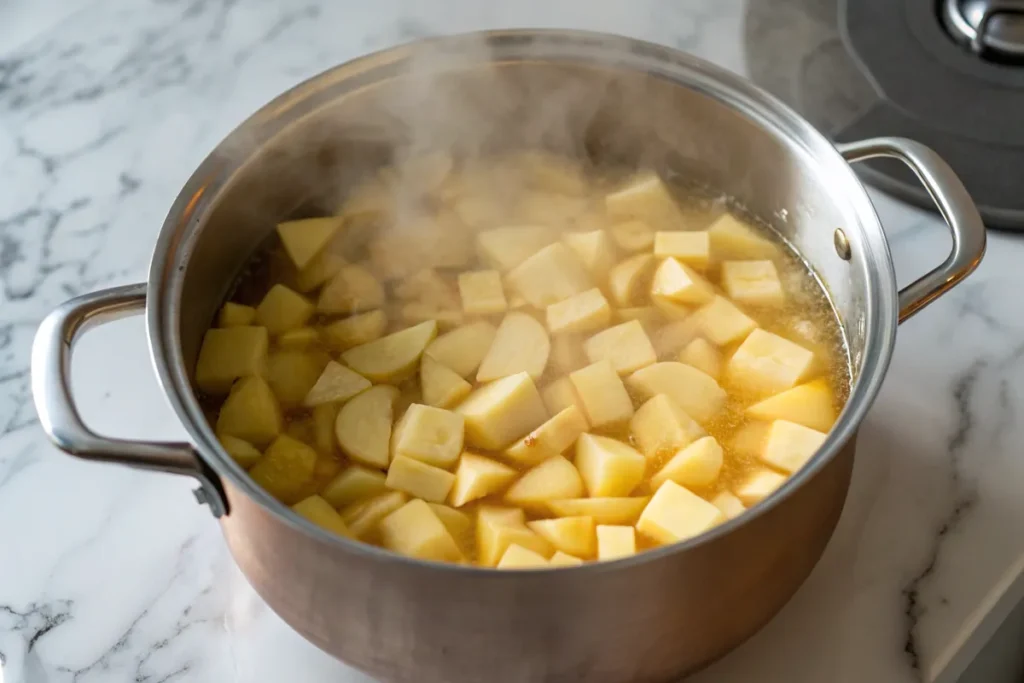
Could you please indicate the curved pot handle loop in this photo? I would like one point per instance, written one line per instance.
(51, 391)
(953, 202)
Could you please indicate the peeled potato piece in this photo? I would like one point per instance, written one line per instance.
(614, 542)
(551, 438)
(415, 530)
(605, 399)
(478, 476)
(442, 387)
(676, 514)
(482, 293)
(351, 290)
(229, 353)
(520, 345)
(251, 412)
(602, 510)
(505, 248)
(695, 465)
(283, 309)
(320, 512)
(500, 412)
(549, 276)
(285, 468)
(810, 404)
(609, 467)
(428, 434)
(572, 535)
(731, 239)
(335, 385)
(354, 484)
(594, 250)
(696, 393)
(363, 426)
(464, 348)
(625, 346)
(518, 557)
(392, 357)
(628, 278)
(362, 328)
(554, 479)
(660, 427)
(236, 315)
(303, 239)
(498, 528)
(242, 452)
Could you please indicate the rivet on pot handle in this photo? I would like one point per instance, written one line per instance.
(955, 205)
(51, 390)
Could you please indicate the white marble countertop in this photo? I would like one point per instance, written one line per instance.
(110, 575)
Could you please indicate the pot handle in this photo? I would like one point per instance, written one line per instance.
(954, 203)
(51, 391)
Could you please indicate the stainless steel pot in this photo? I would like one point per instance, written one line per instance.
(652, 617)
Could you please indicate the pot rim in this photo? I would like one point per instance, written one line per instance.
(201, 191)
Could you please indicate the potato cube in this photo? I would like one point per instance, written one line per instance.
(442, 386)
(291, 374)
(518, 557)
(299, 339)
(236, 315)
(464, 348)
(482, 293)
(748, 440)
(614, 542)
(732, 239)
(676, 514)
(695, 465)
(351, 290)
(428, 286)
(696, 393)
(285, 469)
(627, 279)
(419, 479)
(645, 198)
(567, 353)
(415, 531)
(594, 250)
(303, 239)
(561, 394)
(251, 413)
(415, 312)
(498, 528)
(560, 559)
(322, 268)
(500, 412)
(320, 512)
(428, 434)
(700, 354)
(609, 468)
(363, 517)
(601, 510)
(394, 357)
(583, 312)
(354, 484)
(765, 363)
(754, 283)
(554, 479)
(551, 438)
(477, 477)
(811, 405)
(730, 505)
(669, 340)
(458, 523)
(759, 486)
(363, 426)
(671, 310)
(661, 427)
(625, 346)
(549, 276)
(520, 345)
(336, 385)
(648, 316)
(283, 309)
(603, 395)
(571, 535)
(721, 322)
(242, 452)
(689, 248)
(789, 445)
(507, 247)
(633, 236)
(362, 328)
(228, 354)
(678, 282)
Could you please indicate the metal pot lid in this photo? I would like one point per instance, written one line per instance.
(987, 26)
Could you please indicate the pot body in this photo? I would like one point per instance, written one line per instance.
(652, 617)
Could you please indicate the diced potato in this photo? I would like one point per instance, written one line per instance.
(442, 386)
(614, 542)
(228, 354)
(428, 287)
(285, 469)
(505, 248)
(363, 517)
(748, 440)
(520, 345)
(609, 468)
(325, 469)
(242, 452)
(458, 523)
(678, 282)
(811, 405)
(676, 514)
(478, 476)
(561, 394)
(602, 510)
(464, 348)
(550, 439)
(320, 512)
(518, 557)
(291, 375)
(765, 363)
(428, 434)
(696, 393)
(732, 239)
(625, 346)
(362, 328)
(549, 276)
(583, 312)
(648, 316)
(351, 290)
(700, 354)
(695, 465)
(671, 310)
(482, 293)
(690, 248)
(788, 445)
(660, 427)
(419, 479)
(603, 395)
(236, 315)
(251, 413)
(594, 250)
(645, 198)
(673, 337)
(730, 505)
(415, 312)
(415, 531)
(759, 486)
(567, 353)
(363, 427)
(500, 412)
(755, 283)
(722, 322)
(554, 479)
(336, 385)
(627, 279)
(498, 528)
(560, 559)
(633, 235)
(322, 268)
(283, 309)
(299, 339)
(354, 484)
(571, 535)
(304, 239)
(394, 357)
